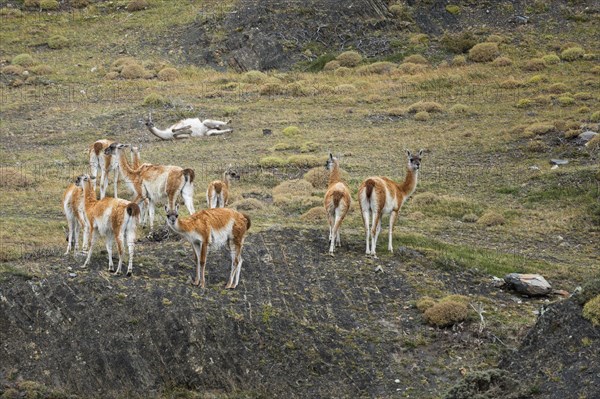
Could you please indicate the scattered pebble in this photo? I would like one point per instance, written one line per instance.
(379, 269)
(72, 274)
(559, 161)
(397, 381)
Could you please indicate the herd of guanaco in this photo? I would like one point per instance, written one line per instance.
(116, 219)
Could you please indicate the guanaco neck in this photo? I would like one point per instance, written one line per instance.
(135, 161)
(226, 179)
(334, 175)
(89, 195)
(126, 169)
(410, 182)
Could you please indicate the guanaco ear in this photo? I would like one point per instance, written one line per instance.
(421, 152)
(408, 153)
(166, 209)
(331, 156)
(176, 207)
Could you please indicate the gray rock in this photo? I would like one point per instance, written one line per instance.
(528, 284)
(559, 161)
(586, 136)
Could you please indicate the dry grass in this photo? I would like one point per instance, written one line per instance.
(591, 310)
(316, 214)
(446, 313)
(168, 74)
(535, 64)
(349, 59)
(427, 106)
(416, 59)
(11, 178)
(248, 204)
(491, 218)
(502, 62)
(572, 54)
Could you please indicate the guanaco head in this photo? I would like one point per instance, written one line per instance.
(114, 147)
(82, 179)
(231, 173)
(172, 215)
(330, 162)
(136, 148)
(414, 161)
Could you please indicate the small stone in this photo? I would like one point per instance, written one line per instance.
(378, 269)
(586, 136)
(72, 274)
(554, 167)
(397, 381)
(534, 167)
(559, 161)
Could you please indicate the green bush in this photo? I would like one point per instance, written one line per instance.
(591, 310)
(460, 42)
(572, 54)
(57, 42)
(253, 77)
(551, 59)
(565, 101)
(272, 162)
(24, 60)
(484, 52)
(558, 88)
(595, 117)
(425, 303)
(155, 100)
(502, 62)
(534, 64)
(291, 131)
(491, 218)
(446, 313)
(136, 5)
(49, 5)
(453, 9)
(416, 59)
(349, 59)
(589, 290)
(168, 74)
(459, 60)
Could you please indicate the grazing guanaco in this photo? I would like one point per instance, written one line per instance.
(105, 164)
(212, 228)
(217, 192)
(113, 218)
(157, 183)
(337, 202)
(378, 196)
(74, 209)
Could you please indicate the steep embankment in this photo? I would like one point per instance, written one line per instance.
(270, 35)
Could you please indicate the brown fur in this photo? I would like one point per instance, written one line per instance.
(337, 198)
(203, 223)
(76, 195)
(373, 200)
(218, 187)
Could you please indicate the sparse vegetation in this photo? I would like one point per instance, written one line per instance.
(535, 64)
(24, 60)
(502, 62)
(422, 116)
(427, 106)
(491, 218)
(155, 100)
(591, 310)
(137, 5)
(168, 74)
(49, 5)
(416, 59)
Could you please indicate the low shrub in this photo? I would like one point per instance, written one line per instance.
(345, 88)
(484, 52)
(316, 214)
(494, 39)
(502, 62)
(332, 65)
(24, 60)
(377, 68)
(453, 9)
(422, 116)
(470, 218)
(254, 77)
(349, 59)
(428, 106)
(168, 74)
(57, 42)
(572, 54)
(136, 5)
(447, 313)
(155, 100)
(589, 290)
(551, 59)
(595, 117)
(416, 59)
(272, 162)
(13, 70)
(511, 83)
(491, 218)
(42, 69)
(291, 131)
(534, 64)
(305, 160)
(459, 60)
(133, 71)
(565, 101)
(591, 310)
(540, 128)
(557, 88)
(459, 42)
(410, 68)
(248, 204)
(425, 303)
(536, 146)
(49, 5)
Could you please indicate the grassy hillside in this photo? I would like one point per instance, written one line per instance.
(489, 119)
